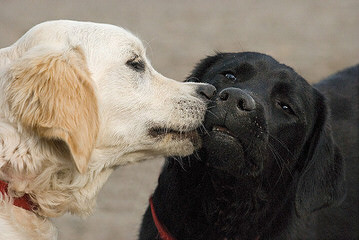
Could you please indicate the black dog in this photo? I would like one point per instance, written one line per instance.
(269, 167)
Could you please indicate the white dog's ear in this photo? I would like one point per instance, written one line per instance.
(50, 91)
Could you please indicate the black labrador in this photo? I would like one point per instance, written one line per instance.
(272, 161)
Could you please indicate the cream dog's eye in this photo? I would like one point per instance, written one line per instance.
(137, 65)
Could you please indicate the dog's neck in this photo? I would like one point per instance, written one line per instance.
(207, 202)
(45, 172)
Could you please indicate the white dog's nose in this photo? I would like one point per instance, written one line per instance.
(206, 90)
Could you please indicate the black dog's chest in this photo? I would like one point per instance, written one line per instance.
(211, 206)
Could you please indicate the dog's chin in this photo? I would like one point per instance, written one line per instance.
(177, 143)
(222, 141)
(226, 153)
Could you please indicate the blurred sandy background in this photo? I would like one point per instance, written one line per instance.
(316, 38)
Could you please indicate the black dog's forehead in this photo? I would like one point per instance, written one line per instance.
(249, 64)
(261, 69)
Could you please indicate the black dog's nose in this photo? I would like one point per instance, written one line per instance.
(238, 98)
(206, 90)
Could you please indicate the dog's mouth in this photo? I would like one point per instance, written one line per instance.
(224, 130)
(160, 132)
(229, 152)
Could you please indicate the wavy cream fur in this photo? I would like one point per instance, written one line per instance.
(72, 110)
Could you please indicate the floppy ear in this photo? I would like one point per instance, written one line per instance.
(321, 183)
(50, 92)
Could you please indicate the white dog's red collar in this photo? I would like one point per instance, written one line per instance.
(23, 202)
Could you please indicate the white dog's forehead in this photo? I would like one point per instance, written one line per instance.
(100, 42)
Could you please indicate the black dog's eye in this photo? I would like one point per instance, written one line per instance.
(230, 76)
(285, 107)
(137, 65)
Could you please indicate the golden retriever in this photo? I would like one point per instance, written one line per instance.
(77, 100)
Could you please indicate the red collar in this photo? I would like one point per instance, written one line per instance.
(162, 230)
(23, 202)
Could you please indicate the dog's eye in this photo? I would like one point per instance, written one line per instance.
(137, 65)
(285, 107)
(229, 76)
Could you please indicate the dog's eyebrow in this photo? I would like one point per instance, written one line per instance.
(136, 63)
(246, 71)
(135, 56)
(282, 88)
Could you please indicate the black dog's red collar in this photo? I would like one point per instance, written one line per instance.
(23, 202)
(162, 230)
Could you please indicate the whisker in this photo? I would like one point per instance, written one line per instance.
(279, 163)
(204, 129)
(210, 107)
(180, 162)
(280, 158)
(282, 144)
(285, 161)
(189, 161)
(196, 155)
(212, 114)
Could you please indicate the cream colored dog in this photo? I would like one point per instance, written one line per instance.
(77, 100)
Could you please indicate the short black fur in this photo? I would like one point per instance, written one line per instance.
(269, 167)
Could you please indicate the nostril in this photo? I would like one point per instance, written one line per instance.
(224, 96)
(246, 104)
(242, 105)
(208, 91)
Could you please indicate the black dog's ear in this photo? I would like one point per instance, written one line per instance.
(203, 66)
(321, 182)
